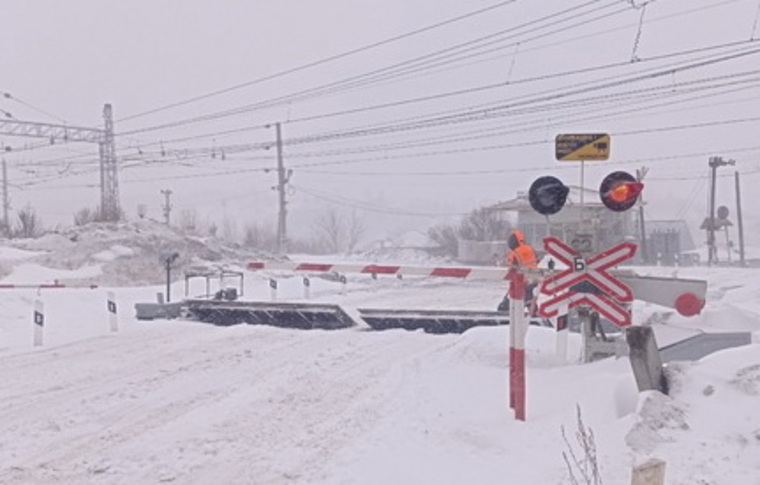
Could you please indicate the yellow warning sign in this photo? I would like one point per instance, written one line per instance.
(589, 146)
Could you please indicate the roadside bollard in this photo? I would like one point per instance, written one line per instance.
(113, 319)
(273, 289)
(38, 321)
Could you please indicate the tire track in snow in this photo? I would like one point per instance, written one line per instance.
(120, 421)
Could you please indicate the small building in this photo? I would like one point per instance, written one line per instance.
(670, 242)
(583, 215)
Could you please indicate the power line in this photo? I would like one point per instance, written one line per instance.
(341, 84)
(503, 109)
(324, 60)
(369, 207)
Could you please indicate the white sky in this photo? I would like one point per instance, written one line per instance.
(66, 59)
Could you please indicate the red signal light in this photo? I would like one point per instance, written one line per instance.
(620, 191)
(626, 191)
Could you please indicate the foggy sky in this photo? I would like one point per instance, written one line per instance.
(63, 60)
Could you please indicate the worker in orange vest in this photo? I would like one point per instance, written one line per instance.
(521, 255)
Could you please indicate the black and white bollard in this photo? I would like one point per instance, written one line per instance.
(343, 284)
(306, 288)
(273, 289)
(113, 318)
(39, 322)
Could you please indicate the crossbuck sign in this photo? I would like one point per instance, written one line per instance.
(593, 270)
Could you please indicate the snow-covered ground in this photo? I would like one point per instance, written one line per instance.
(186, 402)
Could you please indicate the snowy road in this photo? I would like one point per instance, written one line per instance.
(283, 402)
(191, 403)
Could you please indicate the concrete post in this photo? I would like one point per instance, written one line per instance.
(651, 472)
(645, 359)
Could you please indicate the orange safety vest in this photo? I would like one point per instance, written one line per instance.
(522, 254)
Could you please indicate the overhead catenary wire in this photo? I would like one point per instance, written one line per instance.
(369, 207)
(297, 155)
(326, 60)
(241, 146)
(327, 88)
(290, 98)
(534, 79)
(389, 147)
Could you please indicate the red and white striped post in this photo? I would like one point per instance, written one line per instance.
(518, 328)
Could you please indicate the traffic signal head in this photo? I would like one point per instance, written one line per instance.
(547, 195)
(620, 191)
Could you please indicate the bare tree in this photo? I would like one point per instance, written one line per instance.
(229, 229)
(188, 220)
(213, 229)
(85, 216)
(484, 225)
(331, 226)
(479, 225)
(28, 224)
(355, 230)
(445, 236)
(259, 237)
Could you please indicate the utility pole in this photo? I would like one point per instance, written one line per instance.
(109, 175)
(640, 174)
(282, 182)
(712, 251)
(739, 220)
(6, 203)
(167, 205)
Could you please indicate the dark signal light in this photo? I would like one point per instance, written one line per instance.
(547, 195)
(620, 191)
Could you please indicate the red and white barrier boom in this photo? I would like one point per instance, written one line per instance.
(685, 295)
(44, 286)
(492, 273)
